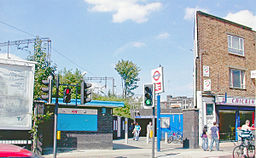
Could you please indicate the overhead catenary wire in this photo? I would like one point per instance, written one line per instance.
(16, 28)
(58, 52)
(71, 61)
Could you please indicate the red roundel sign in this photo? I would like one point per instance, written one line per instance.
(156, 75)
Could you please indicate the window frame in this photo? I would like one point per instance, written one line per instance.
(241, 77)
(235, 51)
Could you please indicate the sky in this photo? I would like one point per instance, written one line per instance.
(93, 35)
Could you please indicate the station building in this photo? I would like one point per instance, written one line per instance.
(224, 90)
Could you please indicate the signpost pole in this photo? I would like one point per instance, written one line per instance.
(55, 118)
(158, 123)
(153, 137)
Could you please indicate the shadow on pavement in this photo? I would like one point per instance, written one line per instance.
(122, 146)
(167, 155)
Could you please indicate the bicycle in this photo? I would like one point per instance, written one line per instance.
(246, 148)
(175, 138)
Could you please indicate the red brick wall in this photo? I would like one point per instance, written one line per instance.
(213, 52)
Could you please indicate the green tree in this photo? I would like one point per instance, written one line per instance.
(123, 111)
(129, 73)
(73, 78)
(43, 67)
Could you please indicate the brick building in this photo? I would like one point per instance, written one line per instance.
(225, 55)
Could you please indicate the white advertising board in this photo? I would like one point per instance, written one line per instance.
(207, 85)
(206, 71)
(253, 74)
(157, 79)
(16, 94)
(165, 122)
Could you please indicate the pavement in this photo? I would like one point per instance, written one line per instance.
(140, 149)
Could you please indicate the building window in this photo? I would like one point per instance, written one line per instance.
(237, 78)
(209, 109)
(236, 45)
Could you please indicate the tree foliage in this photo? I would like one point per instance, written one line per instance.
(129, 73)
(43, 67)
(72, 78)
(122, 111)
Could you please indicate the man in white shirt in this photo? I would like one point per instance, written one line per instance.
(149, 128)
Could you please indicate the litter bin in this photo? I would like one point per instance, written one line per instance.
(186, 143)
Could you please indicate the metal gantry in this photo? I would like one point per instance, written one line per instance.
(26, 42)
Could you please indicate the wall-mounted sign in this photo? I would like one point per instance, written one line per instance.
(253, 74)
(73, 119)
(206, 71)
(157, 79)
(207, 85)
(165, 122)
(77, 111)
(235, 101)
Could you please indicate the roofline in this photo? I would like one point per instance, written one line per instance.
(224, 20)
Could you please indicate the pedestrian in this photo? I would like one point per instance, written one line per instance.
(131, 127)
(136, 131)
(246, 126)
(204, 137)
(149, 131)
(246, 135)
(214, 136)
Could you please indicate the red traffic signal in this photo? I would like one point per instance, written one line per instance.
(67, 95)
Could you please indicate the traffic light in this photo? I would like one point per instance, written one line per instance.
(148, 96)
(85, 92)
(67, 95)
(48, 90)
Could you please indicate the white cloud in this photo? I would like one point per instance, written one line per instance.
(138, 44)
(244, 17)
(128, 45)
(125, 9)
(163, 35)
(190, 12)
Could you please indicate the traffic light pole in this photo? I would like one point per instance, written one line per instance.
(55, 118)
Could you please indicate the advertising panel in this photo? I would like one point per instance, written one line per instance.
(16, 94)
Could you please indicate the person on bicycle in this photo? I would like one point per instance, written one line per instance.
(204, 137)
(214, 136)
(246, 134)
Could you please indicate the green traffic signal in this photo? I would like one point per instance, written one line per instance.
(148, 96)
(148, 102)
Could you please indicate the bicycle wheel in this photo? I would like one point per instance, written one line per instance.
(251, 151)
(180, 139)
(238, 151)
(170, 140)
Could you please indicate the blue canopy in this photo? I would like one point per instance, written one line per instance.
(93, 103)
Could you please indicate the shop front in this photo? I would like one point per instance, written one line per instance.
(232, 112)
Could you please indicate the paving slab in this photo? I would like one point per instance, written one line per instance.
(140, 149)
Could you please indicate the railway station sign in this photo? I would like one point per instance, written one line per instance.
(157, 79)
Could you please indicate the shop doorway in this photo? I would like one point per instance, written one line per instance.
(227, 122)
(143, 122)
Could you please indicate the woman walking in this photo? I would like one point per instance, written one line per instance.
(205, 138)
(136, 131)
